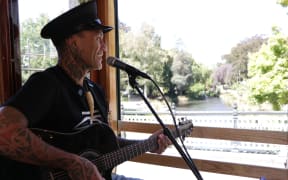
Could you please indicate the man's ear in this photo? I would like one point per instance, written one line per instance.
(71, 41)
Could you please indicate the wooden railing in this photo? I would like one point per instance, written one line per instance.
(233, 134)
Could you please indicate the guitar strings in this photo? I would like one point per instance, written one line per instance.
(106, 161)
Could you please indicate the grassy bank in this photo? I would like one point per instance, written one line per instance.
(240, 98)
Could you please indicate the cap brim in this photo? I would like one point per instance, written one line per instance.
(104, 28)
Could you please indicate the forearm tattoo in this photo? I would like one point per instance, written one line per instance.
(19, 143)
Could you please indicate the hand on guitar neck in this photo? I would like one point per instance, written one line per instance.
(162, 140)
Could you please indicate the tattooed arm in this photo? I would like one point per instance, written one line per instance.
(19, 143)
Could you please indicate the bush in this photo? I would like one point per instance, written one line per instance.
(197, 91)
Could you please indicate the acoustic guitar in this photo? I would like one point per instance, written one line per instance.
(97, 143)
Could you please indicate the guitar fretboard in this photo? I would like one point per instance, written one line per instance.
(110, 160)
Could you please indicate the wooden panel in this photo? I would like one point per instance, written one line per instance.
(216, 167)
(273, 137)
(107, 76)
(10, 72)
(4, 50)
(106, 14)
(111, 88)
(100, 76)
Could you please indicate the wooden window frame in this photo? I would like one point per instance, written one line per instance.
(107, 77)
(10, 82)
(10, 65)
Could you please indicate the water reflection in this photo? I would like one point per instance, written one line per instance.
(210, 104)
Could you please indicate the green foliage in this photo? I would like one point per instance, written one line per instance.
(268, 70)
(197, 91)
(284, 3)
(182, 71)
(37, 53)
(201, 73)
(173, 70)
(238, 58)
(168, 86)
(143, 51)
(83, 1)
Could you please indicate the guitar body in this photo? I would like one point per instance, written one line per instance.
(97, 143)
(89, 143)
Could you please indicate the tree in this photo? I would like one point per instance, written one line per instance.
(168, 87)
(223, 74)
(182, 71)
(36, 51)
(268, 70)
(238, 57)
(200, 73)
(143, 50)
(175, 70)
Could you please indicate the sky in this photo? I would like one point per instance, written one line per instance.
(207, 29)
(32, 8)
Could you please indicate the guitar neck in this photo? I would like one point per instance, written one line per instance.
(110, 160)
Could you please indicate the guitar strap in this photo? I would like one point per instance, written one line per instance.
(96, 100)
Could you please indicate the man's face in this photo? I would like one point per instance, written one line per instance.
(90, 48)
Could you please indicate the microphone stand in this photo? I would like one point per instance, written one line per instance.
(167, 132)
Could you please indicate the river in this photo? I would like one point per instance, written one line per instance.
(210, 104)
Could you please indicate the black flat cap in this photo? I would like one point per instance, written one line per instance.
(82, 17)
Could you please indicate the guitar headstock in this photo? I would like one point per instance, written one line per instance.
(185, 127)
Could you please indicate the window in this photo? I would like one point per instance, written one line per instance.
(38, 53)
(190, 48)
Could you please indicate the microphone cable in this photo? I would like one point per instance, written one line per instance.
(174, 120)
(177, 130)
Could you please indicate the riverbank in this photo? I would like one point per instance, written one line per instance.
(233, 98)
(209, 104)
(228, 99)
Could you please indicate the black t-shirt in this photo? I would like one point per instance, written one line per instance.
(52, 100)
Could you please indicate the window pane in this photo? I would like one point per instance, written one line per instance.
(38, 53)
(206, 57)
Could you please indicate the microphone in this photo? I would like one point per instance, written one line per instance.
(115, 62)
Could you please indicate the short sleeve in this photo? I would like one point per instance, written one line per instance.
(36, 96)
